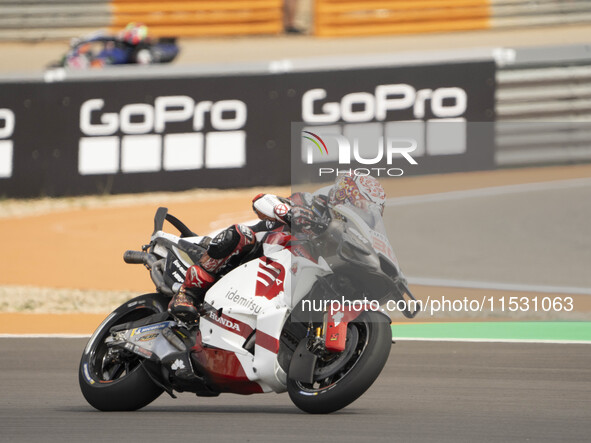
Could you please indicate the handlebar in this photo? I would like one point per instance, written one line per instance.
(155, 266)
(139, 257)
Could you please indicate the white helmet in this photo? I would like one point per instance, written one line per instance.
(359, 191)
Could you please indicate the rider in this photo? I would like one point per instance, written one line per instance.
(135, 36)
(299, 213)
(134, 33)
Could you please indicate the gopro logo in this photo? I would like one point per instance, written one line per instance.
(7, 123)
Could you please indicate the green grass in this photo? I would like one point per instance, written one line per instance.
(555, 331)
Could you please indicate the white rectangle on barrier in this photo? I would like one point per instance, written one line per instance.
(408, 130)
(183, 151)
(366, 136)
(225, 149)
(98, 155)
(141, 153)
(446, 136)
(5, 158)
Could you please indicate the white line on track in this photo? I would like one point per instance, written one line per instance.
(470, 284)
(487, 192)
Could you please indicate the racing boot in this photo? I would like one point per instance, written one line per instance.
(184, 303)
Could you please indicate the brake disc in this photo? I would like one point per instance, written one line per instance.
(336, 364)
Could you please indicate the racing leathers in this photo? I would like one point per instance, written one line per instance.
(229, 247)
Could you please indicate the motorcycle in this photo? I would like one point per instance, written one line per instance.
(282, 319)
(99, 50)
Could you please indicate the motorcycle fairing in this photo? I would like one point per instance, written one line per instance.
(224, 369)
(258, 296)
(252, 297)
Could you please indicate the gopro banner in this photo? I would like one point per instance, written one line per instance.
(394, 122)
(160, 134)
(118, 136)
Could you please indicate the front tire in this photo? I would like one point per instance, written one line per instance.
(110, 384)
(372, 339)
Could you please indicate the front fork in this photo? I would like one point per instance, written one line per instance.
(331, 338)
(335, 331)
(335, 326)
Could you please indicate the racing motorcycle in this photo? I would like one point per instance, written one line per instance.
(269, 324)
(100, 50)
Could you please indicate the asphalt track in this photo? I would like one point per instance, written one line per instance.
(428, 392)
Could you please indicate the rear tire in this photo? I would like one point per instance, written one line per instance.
(119, 386)
(357, 374)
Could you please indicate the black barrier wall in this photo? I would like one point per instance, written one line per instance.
(159, 134)
(444, 112)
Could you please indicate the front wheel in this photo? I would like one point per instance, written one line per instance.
(114, 381)
(341, 379)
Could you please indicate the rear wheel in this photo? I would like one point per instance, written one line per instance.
(342, 378)
(116, 381)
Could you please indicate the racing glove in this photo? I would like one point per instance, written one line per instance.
(273, 208)
(306, 221)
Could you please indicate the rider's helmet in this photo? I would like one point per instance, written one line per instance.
(134, 33)
(364, 192)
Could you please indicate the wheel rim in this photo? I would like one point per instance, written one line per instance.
(356, 351)
(108, 366)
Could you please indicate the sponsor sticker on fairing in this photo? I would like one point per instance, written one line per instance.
(228, 323)
(147, 337)
(156, 327)
(178, 364)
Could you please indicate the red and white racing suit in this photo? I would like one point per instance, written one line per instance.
(232, 244)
